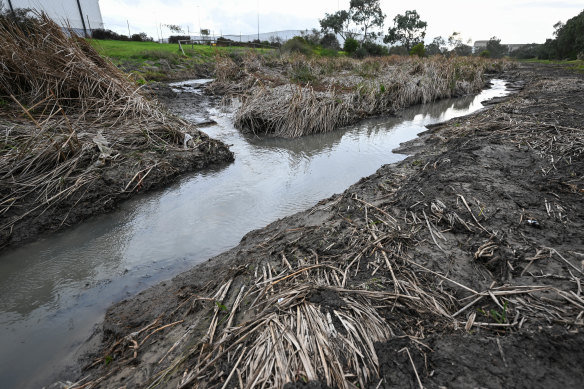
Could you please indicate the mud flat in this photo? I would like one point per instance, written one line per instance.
(460, 266)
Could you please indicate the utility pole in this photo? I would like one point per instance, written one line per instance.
(129, 33)
(11, 8)
(80, 14)
(199, 9)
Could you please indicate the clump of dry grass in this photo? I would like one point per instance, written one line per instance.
(41, 65)
(295, 95)
(293, 111)
(67, 113)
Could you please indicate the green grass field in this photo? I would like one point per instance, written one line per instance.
(121, 50)
(151, 61)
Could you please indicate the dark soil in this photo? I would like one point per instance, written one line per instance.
(503, 190)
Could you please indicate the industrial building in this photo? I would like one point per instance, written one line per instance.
(81, 16)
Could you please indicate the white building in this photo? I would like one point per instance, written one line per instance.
(80, 15)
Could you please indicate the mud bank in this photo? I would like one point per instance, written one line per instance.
(460, 266)
(133, 166)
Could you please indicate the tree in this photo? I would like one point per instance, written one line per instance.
(557, 28)
(175, 28)
(337, 23)
(438, 46)
(408, 30)
(496, 49)
(569, 40)
(456, 42)
(367, 14)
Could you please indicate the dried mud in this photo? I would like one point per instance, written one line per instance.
(481, 228)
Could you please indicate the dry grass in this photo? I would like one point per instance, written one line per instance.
(67, 113)
(294, 95)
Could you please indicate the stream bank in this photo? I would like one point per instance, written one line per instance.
(458, 266)
(52, 299)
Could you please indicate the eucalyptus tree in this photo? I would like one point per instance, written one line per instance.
(367, 15)
(408, 30)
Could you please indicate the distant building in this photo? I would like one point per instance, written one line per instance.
(479, 46)
(81, 16)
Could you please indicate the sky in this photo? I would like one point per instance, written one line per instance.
(513, 21)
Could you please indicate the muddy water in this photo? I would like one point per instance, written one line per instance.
(54, 291)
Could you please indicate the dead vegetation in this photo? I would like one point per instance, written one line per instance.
(68, 116)
(294, 96)
(411, 253)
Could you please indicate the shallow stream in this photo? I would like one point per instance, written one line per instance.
(53, 292)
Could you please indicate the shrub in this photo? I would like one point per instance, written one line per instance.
(101, 33)
(527, 52)
(141, 37)
(398, 50)
(485, 54)
(361, 53)
(301, 73)
(176, 38)
(375, 49)
(351, 45)
(330, 41)
(418, 50)
(297, 45)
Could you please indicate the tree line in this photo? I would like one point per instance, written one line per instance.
(361, 27)
(568, 42)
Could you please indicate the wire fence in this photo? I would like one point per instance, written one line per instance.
(163, 33)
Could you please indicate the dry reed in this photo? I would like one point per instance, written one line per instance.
(294, 96)
(67, 112)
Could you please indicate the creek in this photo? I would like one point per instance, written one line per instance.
(54, 291)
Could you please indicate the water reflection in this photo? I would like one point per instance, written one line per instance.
(54, 290)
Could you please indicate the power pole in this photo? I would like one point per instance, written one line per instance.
(80, 14)
(129, 33)
(11, 8)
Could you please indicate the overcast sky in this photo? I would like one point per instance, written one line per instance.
(514, 21)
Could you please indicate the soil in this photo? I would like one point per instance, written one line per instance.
(489, 205)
